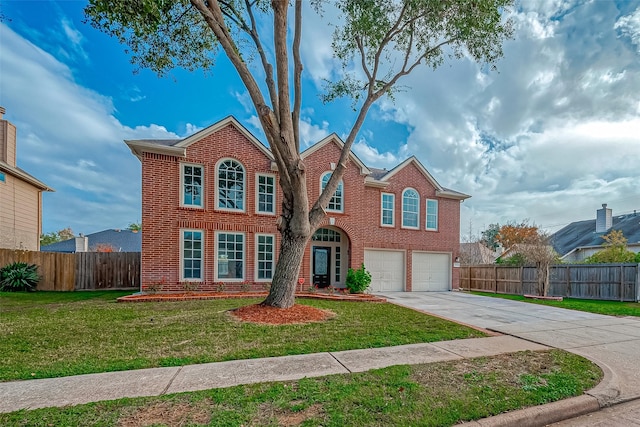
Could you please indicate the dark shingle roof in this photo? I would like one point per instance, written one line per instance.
(120, 240)
(166, 142)
(378, 173)
(583, 233)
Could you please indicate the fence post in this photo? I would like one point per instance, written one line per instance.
(621, 283)
(637, 288)
(495, 279)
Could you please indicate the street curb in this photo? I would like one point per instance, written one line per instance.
(604, 394)
(542, 415)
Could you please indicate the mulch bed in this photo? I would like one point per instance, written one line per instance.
(257, 313)
(220, 295)
(280, 316)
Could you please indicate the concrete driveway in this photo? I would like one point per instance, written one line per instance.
(612, 342)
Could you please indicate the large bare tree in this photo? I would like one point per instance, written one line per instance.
(377, 41)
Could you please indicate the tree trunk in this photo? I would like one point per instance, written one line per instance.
(540, 277)
(546, 280)
(285, 278)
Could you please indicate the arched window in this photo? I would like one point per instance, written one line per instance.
(410, 208)
(231, 185)
(336, 202)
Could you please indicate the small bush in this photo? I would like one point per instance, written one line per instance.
(19, 276)
(358, 280)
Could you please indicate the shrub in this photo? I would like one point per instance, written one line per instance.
(611, 255)
(358, 280)
(19, 276)
(190, 286)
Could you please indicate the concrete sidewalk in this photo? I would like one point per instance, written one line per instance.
(611, 342)
(32, 394)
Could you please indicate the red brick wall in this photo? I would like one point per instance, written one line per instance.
(163, 217)
(361, 218)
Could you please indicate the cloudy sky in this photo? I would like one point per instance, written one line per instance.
(549, 136)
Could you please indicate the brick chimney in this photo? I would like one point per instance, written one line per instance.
(604, 220)
(7, 140)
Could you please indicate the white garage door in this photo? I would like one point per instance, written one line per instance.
(386, 268)
(430, 272)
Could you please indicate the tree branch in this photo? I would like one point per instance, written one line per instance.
(317, 213)
(268, 68)
(363, 58)
(214, 17)
(297, 73)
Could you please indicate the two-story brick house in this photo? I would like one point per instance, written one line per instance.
(210, 203)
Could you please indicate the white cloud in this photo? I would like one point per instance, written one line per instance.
(315, 46)
(69, 139)
(245, 100)
(629, 26)
(74, 39)
(311, 133)
(550, 137)
(372, 157)
(190, 129)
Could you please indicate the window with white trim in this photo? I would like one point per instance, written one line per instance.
(410, 208)
(432, 214)
(266, 189)
(265, 244)
(191, 178)
(336, 202)
(230, 256)
(191, 251)
(231, 185)
(387, 208)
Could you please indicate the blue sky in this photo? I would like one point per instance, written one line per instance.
(550, 136)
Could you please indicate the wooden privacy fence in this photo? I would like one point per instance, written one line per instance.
(81, 270)
(617, 282)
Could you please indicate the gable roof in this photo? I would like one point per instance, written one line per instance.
(120, 240)
(476, 252)
(381, 178)
(24, 176)
(364, 170)
(582, 234)
(178, 147)
(373, 177)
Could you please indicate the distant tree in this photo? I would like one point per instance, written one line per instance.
(513, 233)
(66, 234)
(615, 250)
(516, 260)
(534, 250)
(103, 247)
(489, 237)
(135, 226)
(376, 43)
(538, 251)
(56, 236)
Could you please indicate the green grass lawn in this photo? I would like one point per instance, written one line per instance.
(437, 394)
(612, 308)
(51, 334)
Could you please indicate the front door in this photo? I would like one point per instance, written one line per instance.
(321, 266)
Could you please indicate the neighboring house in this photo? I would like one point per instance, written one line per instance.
(113, 240)
(20, 196)
(210, 204)
(477, 253)
(579, 240)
